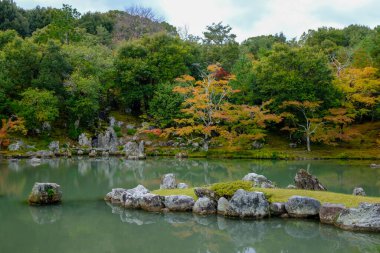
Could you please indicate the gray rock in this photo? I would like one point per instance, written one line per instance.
(277, 208)
(304, 180)
(292, 145)
(182, 186)
(204, 192)
(18, 145)
(245, 204)
(92, 153)
(257, 145)
(44, 153)
(134, 151)
(105, 153)
(179, 203)
(358, 191)
(302, 207)
(258, 180)
(45, 194)
(152, 202)
(329, 212)
(222, 205)
(374, 166)
(80, 152)
(204, 206)
(108, 140)
(364, 218)
(115, 196)
(84, 141)
(168, 181)
(291, 187)
(54, 146)
(131, 198)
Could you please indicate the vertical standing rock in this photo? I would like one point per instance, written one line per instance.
(358, 191)
(168, 181)
(304, 180)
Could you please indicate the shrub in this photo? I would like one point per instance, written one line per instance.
(229, 188)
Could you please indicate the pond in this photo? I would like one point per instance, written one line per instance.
(85, 223)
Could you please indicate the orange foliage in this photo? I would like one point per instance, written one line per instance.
(10, 126)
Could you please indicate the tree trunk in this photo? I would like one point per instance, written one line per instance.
(308, 143)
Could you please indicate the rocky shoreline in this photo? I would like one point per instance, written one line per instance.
(248, 205)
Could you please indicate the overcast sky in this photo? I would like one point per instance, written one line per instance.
(247, 17)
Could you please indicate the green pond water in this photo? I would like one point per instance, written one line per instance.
(85, 223)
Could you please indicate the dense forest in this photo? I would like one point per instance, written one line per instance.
(64, 71)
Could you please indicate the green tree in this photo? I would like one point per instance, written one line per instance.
(38, 107)
(165, 105)
(294, 74)
(12, 17)
(219, 46)
(53, 69)
(142, 64)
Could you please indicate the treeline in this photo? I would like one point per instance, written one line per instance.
(63, 69)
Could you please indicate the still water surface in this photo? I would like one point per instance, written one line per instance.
(85, 223)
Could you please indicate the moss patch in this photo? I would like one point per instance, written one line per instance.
(167, 192)
(277, 194)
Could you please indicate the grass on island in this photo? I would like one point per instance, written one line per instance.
(276, 194)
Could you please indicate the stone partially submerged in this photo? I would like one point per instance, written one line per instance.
(151, 202)
(304, 180)
(329, 212)
(302, 207)
(364, 218)
(179, 203)
(246, 204)
(45, 194)
(204, 206)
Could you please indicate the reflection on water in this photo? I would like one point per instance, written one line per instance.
(84, 223)
(78, 176)
(219, 234)
(46, 214)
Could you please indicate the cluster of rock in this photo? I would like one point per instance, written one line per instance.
(247, 204)
(168, 181)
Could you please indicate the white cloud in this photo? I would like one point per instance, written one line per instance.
(246, 17)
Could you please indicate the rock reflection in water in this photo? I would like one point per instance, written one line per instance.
(46, 214)
(219, 234)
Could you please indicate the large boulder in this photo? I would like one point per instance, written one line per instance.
(180, 203)
(168, 181)
(246, 204)
(134, 151)
(302, 207)
(329, 212)
(45, 194)
(258, 180)
(131, 197)
(120, 195)
(222, 205)
(358, 191)
(152, 202)
(304, 180)
(364, 218)
(84, 140)
(204, 206)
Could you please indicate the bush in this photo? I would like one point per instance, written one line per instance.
(229, 188)
(131, 131)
